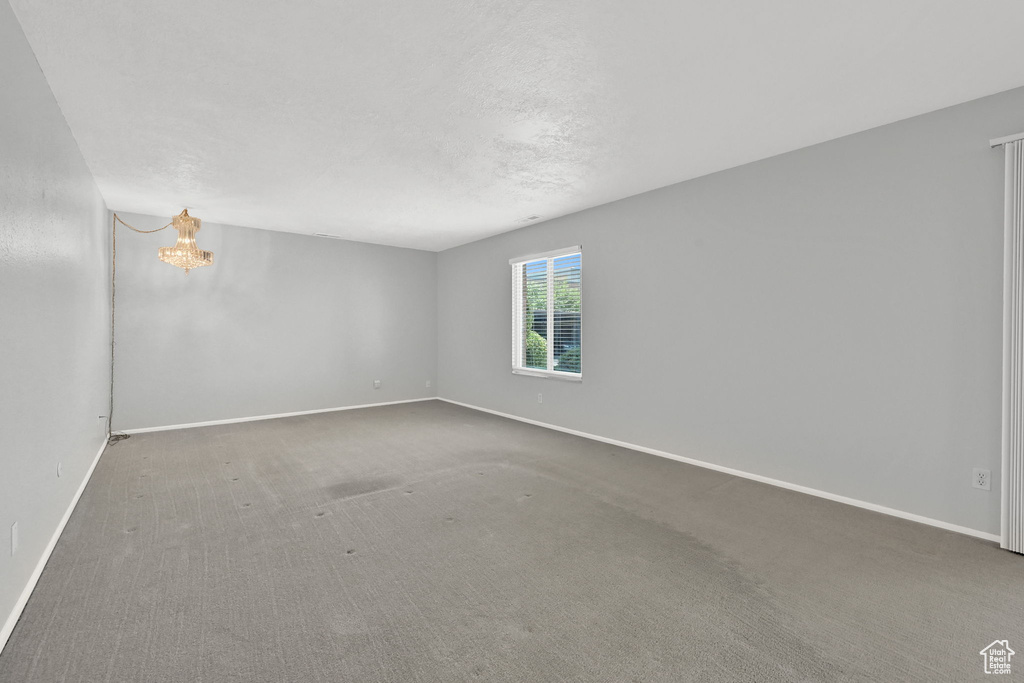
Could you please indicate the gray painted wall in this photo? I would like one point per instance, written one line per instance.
(829, 317)
(54, 313)
(280, 323)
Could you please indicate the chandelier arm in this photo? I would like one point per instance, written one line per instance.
(118, 219)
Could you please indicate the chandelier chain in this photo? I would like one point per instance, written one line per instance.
(113, 437)
(130, 227)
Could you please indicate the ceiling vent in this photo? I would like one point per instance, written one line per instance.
(529, 219)
(324, 234)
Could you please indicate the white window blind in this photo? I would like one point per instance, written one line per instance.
(547, 314)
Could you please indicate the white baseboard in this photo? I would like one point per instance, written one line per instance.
(233, 420)
(12, 619)
(747, 475)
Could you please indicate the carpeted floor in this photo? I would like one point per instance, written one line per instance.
(427, 542)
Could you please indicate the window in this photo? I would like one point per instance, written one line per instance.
(547, 309)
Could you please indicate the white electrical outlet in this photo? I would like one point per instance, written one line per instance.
(376, 384)
(60, 470)
(540, 398)
(982, 479)
(14, 538)
(428, 384)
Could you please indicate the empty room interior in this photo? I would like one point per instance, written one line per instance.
(511, 341)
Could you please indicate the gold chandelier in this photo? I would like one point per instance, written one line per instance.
(185, 254)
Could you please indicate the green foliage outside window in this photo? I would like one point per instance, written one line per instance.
(536, 350)
(569, 361)
(567, 297)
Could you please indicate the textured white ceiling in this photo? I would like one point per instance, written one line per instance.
(429, 124)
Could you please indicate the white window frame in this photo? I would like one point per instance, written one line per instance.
(517, 314)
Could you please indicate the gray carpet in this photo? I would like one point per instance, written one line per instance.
(427, 542)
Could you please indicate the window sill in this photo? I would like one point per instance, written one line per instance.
(548, 374)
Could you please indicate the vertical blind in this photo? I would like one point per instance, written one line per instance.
(1012, 527)
(547, 292)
